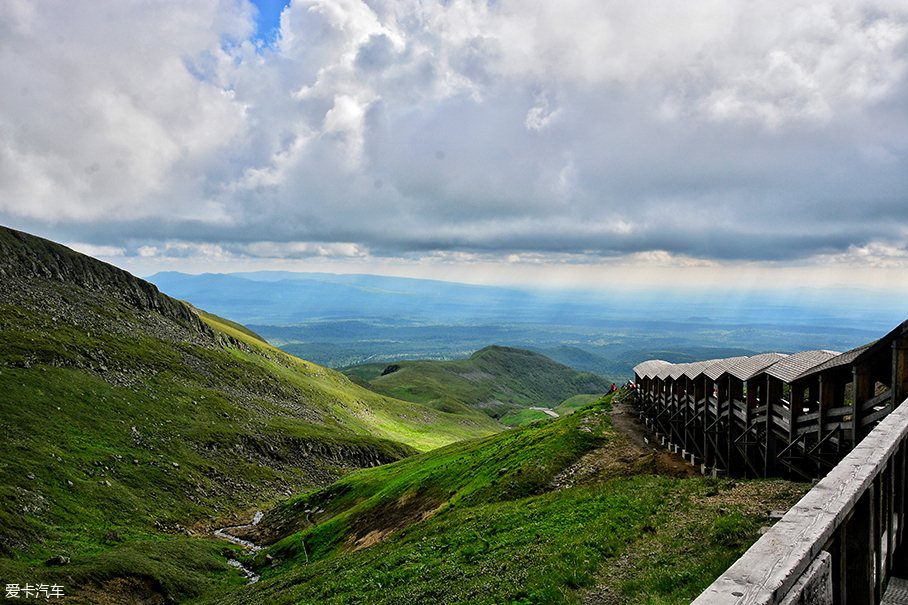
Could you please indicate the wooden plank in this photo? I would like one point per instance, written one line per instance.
(808, 429)
(878, 400)
(839, 412)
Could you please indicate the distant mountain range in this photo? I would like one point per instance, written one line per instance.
(343, 320)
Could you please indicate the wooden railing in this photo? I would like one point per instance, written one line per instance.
(837, 545)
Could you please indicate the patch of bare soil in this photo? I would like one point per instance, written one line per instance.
(380, 524)
(634, 451)
(626, 420)
(120, 591)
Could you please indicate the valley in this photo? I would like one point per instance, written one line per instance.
(136, 425)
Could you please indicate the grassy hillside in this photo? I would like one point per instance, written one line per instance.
(511, 518)
(499, 381)
(132, 427)
(135, 425)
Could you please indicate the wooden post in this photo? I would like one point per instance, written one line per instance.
(890, 518)
(857, 552)
(900, 487)
(863, 392)
(753, 391)
(876, 534)
(695, 420)
(709, 458)
(735, 393)
(720, 432)
(899, 371)
(796, 395)
(824, 403)
(773, 396)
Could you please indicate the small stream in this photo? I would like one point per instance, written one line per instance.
(224, 533)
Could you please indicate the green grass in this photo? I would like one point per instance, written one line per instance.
(475, 522)
(524, 417)
(575, 403)
(109, 430)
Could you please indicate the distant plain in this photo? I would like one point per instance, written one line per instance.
(343, 320)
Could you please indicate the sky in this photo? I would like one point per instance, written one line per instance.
(719, 143)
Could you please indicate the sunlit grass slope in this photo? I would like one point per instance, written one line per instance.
(480, 522)
(168, 435)
(359, 409)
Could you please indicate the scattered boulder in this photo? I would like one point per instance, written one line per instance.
(57, 560)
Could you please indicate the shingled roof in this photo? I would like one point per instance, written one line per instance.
(844, 359)
(793, 366)
(754, 365)
(720, 366)
(649, 369)
(784, 367)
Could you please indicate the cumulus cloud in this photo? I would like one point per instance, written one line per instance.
(706, 130)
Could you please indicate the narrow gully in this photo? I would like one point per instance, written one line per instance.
(223, 533)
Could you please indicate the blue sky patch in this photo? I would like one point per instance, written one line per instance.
(268, 20)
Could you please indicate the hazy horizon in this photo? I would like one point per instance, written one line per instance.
(576, 146)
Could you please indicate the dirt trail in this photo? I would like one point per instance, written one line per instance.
(635, 451)
(626, 420)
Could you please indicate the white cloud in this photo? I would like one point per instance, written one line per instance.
(98, 251)
(706, 129)
(282, 250)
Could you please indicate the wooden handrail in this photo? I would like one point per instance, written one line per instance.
(840, 524)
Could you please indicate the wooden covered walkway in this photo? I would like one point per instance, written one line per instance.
(773, 414)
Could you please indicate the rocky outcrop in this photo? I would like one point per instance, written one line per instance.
(27, 257)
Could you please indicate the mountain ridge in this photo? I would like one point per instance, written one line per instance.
(503, 382)
(25, 257)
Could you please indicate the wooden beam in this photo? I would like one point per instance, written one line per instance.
(863, 392)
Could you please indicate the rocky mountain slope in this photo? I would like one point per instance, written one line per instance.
(129, 416)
